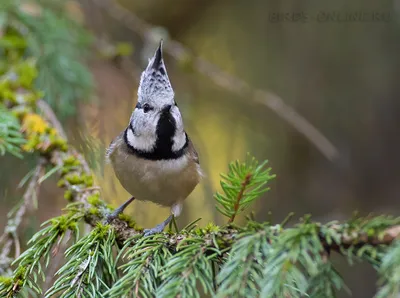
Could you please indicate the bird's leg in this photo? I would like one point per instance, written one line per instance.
(119, 210)
(158, 228)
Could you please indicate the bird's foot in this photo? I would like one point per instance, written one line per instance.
(120, 209)
(158, 228)
(110, 217)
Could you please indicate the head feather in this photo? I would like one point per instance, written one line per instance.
(155, 87)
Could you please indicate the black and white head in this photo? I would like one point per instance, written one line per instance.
(156, 129)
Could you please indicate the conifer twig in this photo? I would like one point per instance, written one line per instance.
(245, 183)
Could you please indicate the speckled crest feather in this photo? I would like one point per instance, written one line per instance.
(155, 87)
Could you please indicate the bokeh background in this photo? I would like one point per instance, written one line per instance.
(340, 74)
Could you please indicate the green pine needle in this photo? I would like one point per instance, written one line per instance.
(141, 274)
(33, 262)
(11, 138)
(238, 277)
(91, 267)
(189, 267)
(390, 273)
(60, 45)
(294, 259)
(244, 183)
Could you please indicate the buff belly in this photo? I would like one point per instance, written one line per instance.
(164, 182)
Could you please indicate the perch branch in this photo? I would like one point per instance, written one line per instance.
(225, 80)
(123, 231)
(360, 239)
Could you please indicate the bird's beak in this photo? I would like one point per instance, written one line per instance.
(167, 108)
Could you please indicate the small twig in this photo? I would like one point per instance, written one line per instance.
(17, 246)
(82, 269)
(287, 219)
(245, 183)
(10, 231)
(51, 117)
(137, 289)
(57, 254)
(31, 192)
(89, 189)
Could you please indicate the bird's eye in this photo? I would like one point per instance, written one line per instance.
(146, 108)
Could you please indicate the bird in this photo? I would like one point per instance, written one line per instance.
(153, 157)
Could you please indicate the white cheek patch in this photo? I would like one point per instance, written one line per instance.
(179, 141)
(143, 143)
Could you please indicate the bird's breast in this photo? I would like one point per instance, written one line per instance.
(164, 182)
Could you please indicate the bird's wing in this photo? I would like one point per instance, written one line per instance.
(193, 151)
(112, 146)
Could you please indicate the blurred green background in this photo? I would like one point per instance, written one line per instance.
(341, 75)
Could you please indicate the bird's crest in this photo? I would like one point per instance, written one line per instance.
(155, 86)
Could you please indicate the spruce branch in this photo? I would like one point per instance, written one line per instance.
(90, 267)
(294, 259)
(326, 282)
(146, 257)
(244, 183)
(30, 268)
(188, 267)
(245, 264)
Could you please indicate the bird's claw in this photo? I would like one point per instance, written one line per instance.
(110, 217)
(157, 229)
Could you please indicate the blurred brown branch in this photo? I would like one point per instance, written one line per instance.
(51, 117)
(223, 79)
